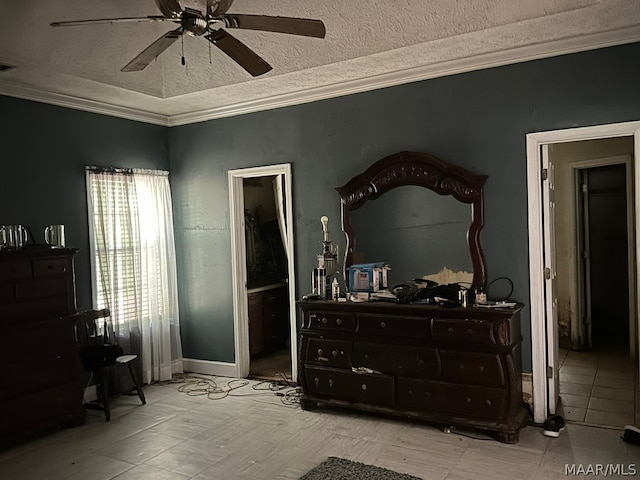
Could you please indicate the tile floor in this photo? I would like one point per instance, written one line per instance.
(598, 388)
(186, 432)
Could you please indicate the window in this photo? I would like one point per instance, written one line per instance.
(133, 258)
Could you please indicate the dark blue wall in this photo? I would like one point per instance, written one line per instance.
(42, 177)
(477, 120)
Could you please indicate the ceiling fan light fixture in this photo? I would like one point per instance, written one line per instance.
(212, 24)
(194, 25)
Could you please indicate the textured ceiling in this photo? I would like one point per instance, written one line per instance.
(369, 44)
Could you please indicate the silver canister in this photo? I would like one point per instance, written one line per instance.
(54, 236)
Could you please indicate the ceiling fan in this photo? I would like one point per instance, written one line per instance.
(211, 24)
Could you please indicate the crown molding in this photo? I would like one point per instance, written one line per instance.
(415, 74)
(399, 77)
(29, 93)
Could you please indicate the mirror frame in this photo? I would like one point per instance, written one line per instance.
(423, 170)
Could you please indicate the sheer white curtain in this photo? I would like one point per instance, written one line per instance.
(134, 269)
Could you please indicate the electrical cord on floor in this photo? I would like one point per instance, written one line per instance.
(197, 386)
(455, 431)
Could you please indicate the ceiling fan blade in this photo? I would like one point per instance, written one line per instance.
(169, 8)
(152, 51)
(72, 23)
(293, 26)
(239, 52)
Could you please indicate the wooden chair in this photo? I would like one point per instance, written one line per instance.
(101, 354)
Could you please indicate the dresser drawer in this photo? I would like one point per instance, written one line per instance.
(481, 402)
(337, 321)
(15, 269)
(472, 368)
(50, 266)
(47, 307)
(7, 293)
(389, 326)
(47, 287)
(458, 330)
(422, 394)
(410, 361)
(346, 385)
(334, 353)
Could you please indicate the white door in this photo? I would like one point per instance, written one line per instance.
(550, 290)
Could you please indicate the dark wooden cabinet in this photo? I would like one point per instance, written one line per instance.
(268, 318)
(451, 366)
(43, 381)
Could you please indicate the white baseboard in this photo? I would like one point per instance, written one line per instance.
(209, 367)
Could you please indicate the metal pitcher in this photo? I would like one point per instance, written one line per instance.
(54, 236)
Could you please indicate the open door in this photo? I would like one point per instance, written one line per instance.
(550, 288)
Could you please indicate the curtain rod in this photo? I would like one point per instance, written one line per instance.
(97, 169)
(126, 171)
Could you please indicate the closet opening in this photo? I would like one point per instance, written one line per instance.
(267, 279)
(263, 273)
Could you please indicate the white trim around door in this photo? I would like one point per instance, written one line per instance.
(239, 264)
(540, 329)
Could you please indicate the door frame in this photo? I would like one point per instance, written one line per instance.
(576, 293)
(239, 263)
(540, 329)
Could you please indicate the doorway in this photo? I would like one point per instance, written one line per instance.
(594, 232)
(602, 214)
(263, 280)
(546, 354)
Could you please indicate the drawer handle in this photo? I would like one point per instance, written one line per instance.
(470, 331)
(334, 353)
(366, 356)
(462, 366)
(320, 352)
(331, 382)
(427, 394)
(383, 325)
(488, 403)
(468, 399)
(450, 329)
(317, 381)
(324, 320)
(364, 386)
(481, 368)
(338, 321)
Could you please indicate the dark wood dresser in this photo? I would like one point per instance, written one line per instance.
(450, 366)
(43, 379)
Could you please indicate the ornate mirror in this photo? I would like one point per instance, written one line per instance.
(427, 216)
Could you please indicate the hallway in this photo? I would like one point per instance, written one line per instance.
(598, 387)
